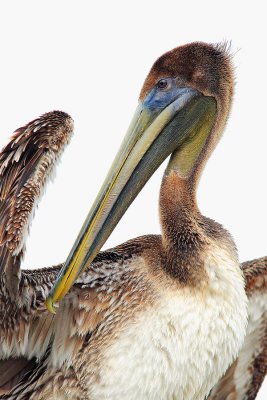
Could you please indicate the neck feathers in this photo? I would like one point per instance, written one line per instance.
(182, 235)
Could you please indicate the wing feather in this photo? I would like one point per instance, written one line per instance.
(244, 378)
(31, 333)
(25, 165)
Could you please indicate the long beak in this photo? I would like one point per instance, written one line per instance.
(152, 136)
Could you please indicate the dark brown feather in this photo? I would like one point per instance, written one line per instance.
(12, 371)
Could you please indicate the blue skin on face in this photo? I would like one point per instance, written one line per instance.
(160, 97)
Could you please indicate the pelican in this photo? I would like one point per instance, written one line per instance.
(160, 316)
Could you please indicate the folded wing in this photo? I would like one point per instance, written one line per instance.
(244, 378)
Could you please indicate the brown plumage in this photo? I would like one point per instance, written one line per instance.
(116, 311)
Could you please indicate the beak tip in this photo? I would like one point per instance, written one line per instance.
(50, 305)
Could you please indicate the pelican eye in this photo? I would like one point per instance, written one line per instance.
(162, 84)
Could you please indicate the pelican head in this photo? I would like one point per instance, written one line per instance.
(183, 106)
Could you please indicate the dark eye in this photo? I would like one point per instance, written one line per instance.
(162, 84)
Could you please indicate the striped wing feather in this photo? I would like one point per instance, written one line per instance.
(25, 165)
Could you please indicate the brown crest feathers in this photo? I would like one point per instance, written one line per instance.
(205, 67)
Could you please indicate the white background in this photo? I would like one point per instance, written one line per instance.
(90, 59)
